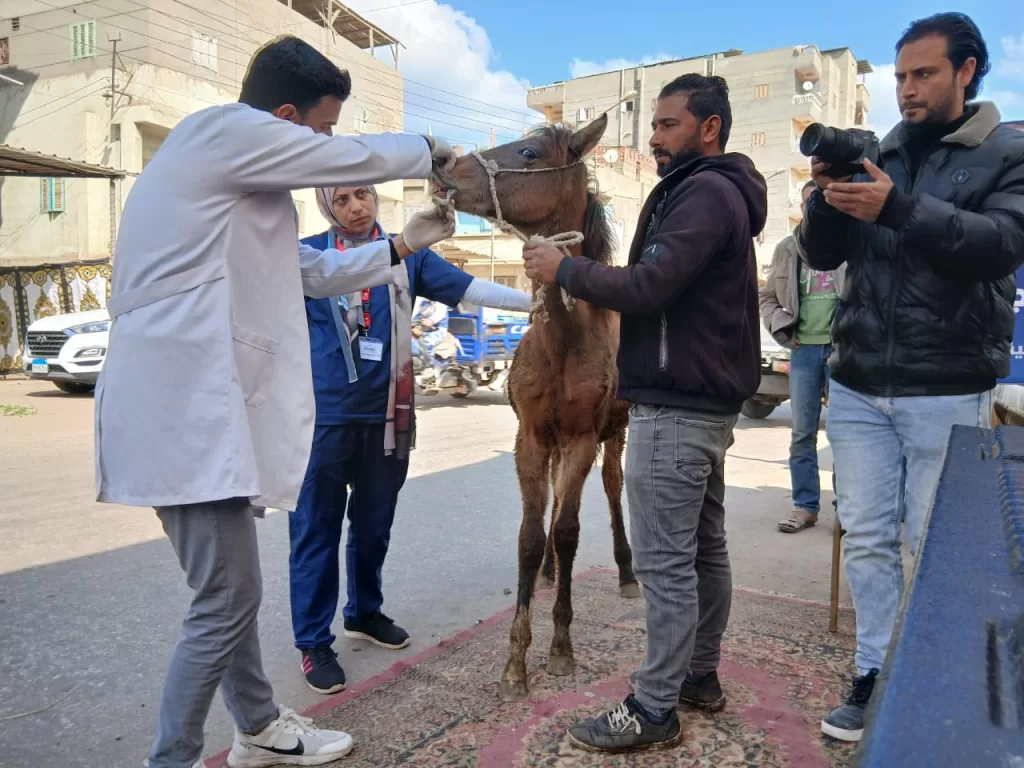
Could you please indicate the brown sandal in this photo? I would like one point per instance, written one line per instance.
(798, 520)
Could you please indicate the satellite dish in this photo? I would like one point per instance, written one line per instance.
(808, 85)
(611, 156)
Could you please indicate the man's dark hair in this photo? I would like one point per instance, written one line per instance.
(809, 185)
(291, 71)
(707, 96)
(963, 40)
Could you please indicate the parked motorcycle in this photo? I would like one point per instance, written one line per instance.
(437, 369)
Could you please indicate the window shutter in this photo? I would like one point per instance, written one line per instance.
(51, 195)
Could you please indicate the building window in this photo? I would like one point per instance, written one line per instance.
(585, 113)
(758, 139)
(16, 23)
(627, 106)
(361, 120)
(509, 282)
(51, 195)
(409, 211)
(5, 50)
(654, 104)
(204, 51)
(761, 91)
(83, 40)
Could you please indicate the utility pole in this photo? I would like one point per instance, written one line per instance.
(492, 225)
(113, 75)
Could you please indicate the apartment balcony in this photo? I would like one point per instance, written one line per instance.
(863, 97)
(546, 96)
(806, 109)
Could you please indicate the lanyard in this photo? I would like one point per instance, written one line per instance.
(332, 242)
(366, 311)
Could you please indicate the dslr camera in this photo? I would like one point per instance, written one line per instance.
(845, 150)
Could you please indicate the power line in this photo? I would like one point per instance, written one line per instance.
(227, 21)
(429, 118)
(384, 107)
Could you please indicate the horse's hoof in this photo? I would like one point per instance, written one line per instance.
(544, 582)
(513, 690)
(560, 666)
(630, 591)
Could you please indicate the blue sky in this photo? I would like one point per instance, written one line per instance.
(468, 62)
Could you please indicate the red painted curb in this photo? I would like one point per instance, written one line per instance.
(337, 699)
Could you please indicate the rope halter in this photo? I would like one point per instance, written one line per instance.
(563, 240)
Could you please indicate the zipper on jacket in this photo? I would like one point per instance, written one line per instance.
(890, 350)
(663, 346)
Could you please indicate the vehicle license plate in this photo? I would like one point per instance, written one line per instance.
(781, 366)
(40, 366)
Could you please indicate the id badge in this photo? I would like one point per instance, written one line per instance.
(371, 350)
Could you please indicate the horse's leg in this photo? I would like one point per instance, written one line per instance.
(577, 458)
(532, 459)
(546, 579)
(611, 473)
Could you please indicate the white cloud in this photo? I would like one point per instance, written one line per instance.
(583, 68)
(1006, 100)
(885, 112)
(1012, 63)
(447, 50)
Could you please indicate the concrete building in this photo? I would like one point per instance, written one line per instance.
(775, 95)
(622, 178)
(104, 83)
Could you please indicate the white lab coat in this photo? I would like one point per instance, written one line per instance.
(206, 392)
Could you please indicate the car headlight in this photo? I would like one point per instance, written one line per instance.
(98, 327)
(92, 352)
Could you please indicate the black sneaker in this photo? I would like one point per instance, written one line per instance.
(846, 722)
(625, 729)
(322, 671)
(702, 691)
(379, 630)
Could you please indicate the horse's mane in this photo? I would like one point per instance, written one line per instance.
(598, 241)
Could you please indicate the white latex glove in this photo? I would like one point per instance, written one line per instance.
(428, 227)
(444, 156)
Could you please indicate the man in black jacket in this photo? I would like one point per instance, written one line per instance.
(925, 320)
(689, 356)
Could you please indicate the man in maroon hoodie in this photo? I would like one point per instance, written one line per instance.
(688, 358)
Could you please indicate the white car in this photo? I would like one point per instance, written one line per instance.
(68, 350)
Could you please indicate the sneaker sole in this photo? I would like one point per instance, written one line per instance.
(707, 706)
(657, 746)
(326, 691)
(840, 733)
(361, 636)
(272, 760)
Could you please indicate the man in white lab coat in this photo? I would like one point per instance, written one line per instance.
(205, 406)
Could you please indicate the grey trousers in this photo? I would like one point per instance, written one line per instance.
(219, 643)
(675, 484)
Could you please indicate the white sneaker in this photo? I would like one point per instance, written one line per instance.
(289, 740)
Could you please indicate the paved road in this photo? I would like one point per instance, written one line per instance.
(91, 597)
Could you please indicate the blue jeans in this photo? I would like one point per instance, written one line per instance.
(808, 379)
(343, 456)
(888, 455)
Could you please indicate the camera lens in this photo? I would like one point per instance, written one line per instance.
(812, 139)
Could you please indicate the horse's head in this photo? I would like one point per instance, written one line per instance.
(546, 202)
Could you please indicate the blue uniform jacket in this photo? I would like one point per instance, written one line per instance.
(366, 401)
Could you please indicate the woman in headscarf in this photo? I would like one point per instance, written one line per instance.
(365, 426)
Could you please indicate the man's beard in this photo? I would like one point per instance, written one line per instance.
(935, 115)
(689, 152)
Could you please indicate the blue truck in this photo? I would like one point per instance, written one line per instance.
(487, 342)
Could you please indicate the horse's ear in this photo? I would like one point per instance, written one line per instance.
(584, 140)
